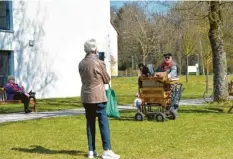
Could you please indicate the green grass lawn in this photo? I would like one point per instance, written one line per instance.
(193, 89)
(200, 132)
(125, 89)
(52, 104)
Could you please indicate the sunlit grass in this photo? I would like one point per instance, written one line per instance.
(200, 132)
(126, 87)
(54, 104)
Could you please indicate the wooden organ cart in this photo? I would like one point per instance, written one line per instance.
(161, 93)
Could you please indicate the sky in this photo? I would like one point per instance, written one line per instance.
(159, 7)
(118, 4)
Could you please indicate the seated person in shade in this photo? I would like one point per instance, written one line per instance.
(15, 92)
(169, 66)
(143, 71)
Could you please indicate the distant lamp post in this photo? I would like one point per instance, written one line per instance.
(198, 64)
(132, 62)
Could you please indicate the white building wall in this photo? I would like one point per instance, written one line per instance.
(59, 29)
(6, 39)
(114, 51)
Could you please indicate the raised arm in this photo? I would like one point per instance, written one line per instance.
(101, 69)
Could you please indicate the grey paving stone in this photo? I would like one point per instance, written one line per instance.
(38, 115)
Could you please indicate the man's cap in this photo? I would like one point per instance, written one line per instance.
(167, 54)
(140, 65)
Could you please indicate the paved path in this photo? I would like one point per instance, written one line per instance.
(38, 115)
(192, 101)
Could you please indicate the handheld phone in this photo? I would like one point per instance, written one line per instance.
(101, 56)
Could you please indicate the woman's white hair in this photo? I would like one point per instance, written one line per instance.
(11, 77)
(90, 46)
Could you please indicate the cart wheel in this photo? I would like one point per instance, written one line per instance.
(173, 115)
(160, 117)
(139, 116)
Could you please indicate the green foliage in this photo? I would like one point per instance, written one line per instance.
(179, 31)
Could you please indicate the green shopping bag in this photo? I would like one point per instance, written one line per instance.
(111, 107)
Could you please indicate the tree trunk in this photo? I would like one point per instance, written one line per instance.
(144, 59)
(180, 66)
(187, 64)
(219, 55)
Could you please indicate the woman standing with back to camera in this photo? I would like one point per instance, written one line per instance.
(93, 76)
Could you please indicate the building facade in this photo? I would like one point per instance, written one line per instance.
(41, 42)
(114, 51)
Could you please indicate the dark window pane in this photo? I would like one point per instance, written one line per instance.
(4, 67)
(4, 15)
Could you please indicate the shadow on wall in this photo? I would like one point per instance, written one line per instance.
(32, 65)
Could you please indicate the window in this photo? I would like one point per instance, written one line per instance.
(4, 67)
(5, 12)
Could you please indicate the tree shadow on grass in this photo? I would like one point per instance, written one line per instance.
(128, 115)
(42, 150)
(125, 118)
(207, 110)
(125, 115)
